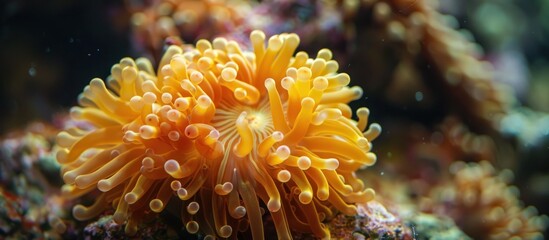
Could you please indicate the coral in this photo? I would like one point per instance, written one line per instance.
(318, 23)
(529, 127)
(401, 197)
(234, 134)
(20, 150)
(167, 22)
(27, 157)
(484, 205)
(431, 227)
(27, 216)
(464, 144)
(429, 62)
(106, 228)
(434, 150)
(372, 221)
(31, 205)
(375, 221)
(186, 19)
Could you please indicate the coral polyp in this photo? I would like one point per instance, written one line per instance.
(234, 135)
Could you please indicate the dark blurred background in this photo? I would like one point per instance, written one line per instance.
(49, 50)
(515, 37)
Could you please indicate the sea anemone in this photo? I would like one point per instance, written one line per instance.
(236, 135)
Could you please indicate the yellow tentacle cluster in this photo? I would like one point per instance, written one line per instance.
(233, 134)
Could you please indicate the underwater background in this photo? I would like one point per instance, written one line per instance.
(460, 89)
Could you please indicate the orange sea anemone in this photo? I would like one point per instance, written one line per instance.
(236, 135)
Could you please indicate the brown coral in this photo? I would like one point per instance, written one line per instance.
(186, 19)
(424, 55)
(484, 205)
